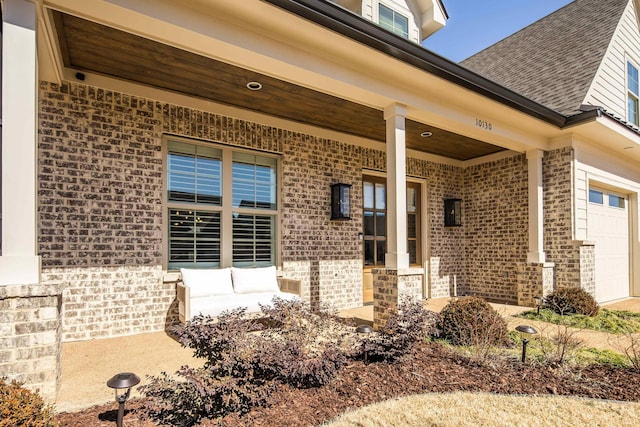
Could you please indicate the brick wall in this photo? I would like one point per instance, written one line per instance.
(30, 336)
(100, 198)
(446, 256)
(496, 227)
(390, 288)
(558, 237)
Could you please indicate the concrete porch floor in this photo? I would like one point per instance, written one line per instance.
(88, 365)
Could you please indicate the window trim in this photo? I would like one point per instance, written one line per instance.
(630, 94)
(226, 209)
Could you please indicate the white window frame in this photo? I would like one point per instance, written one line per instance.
(632, 96)
(226, 209)
(398, 13)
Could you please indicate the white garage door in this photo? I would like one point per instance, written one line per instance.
(608, 225)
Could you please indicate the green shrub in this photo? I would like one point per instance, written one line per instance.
(471, 321)
(572, 301)
(21, 407)
(401, 332)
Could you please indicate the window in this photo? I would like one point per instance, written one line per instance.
(203, 207)
(616, 201)
(596, 197)
(393, 21)
(375, 221)
(633, 94)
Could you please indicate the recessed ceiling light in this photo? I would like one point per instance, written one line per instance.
(254, 85)
(426, 134)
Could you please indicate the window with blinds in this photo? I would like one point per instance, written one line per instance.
(219, 218)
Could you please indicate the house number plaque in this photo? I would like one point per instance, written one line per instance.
(484, 124)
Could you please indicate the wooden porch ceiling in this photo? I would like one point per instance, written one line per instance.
(91, 47)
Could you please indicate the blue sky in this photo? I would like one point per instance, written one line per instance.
(476, 24)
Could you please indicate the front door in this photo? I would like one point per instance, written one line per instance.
(375, 228)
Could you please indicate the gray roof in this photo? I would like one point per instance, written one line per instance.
(554, 60)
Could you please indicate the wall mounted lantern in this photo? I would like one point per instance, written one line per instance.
(341, 201)
(452, 212)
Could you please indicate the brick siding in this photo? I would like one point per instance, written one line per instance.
(496, 227)
(30, 336)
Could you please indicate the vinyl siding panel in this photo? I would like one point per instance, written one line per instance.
(608, 89)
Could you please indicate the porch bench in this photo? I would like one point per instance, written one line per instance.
(212, 291)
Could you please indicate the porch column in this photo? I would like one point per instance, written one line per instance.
(395, 282)
(19, 263)
(536, 217)
(397, 256)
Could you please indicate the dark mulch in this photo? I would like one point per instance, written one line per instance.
(430, 369)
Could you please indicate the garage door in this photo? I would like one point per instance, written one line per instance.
(608, 225)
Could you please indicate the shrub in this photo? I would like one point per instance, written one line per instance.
(471, 321)
(243, 361)
(401, 332)
(303, 348)
(572, 301)
(225, 383)
(21, 407)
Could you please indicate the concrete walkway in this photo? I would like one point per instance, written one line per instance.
(88, 365)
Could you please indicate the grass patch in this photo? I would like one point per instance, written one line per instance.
(609, 321)
(478, 409)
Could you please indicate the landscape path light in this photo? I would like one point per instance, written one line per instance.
(121, 382)
(525, 332)
(364, 329)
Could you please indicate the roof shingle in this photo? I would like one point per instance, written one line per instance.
(554, 60)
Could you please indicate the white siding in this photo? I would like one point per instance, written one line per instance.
(609, 86)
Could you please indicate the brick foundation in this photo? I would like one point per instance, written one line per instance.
(390, 287)
(534, 280)
(30, 336)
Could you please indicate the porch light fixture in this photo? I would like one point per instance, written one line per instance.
(341, 201)
(254, 85)
(121, 382)
(525, 332)
(452, 212)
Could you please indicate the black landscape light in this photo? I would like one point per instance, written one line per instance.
(121, 382)
(525, 332)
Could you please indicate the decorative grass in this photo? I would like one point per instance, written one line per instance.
(610, 321)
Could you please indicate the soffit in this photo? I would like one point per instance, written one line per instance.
(92, 47)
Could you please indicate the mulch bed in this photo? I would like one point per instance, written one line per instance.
(431, 368)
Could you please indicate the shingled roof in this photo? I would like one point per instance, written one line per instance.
(554, 60)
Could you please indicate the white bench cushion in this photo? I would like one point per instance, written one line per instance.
(214, 306)
(207, 282)
(254, 280)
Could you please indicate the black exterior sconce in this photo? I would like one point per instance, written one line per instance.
(452, 212)
(341, 201)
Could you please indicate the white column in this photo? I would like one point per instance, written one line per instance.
(19, 263)
(536, 207)
(397, 256)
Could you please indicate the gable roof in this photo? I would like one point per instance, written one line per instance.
(554, 60)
